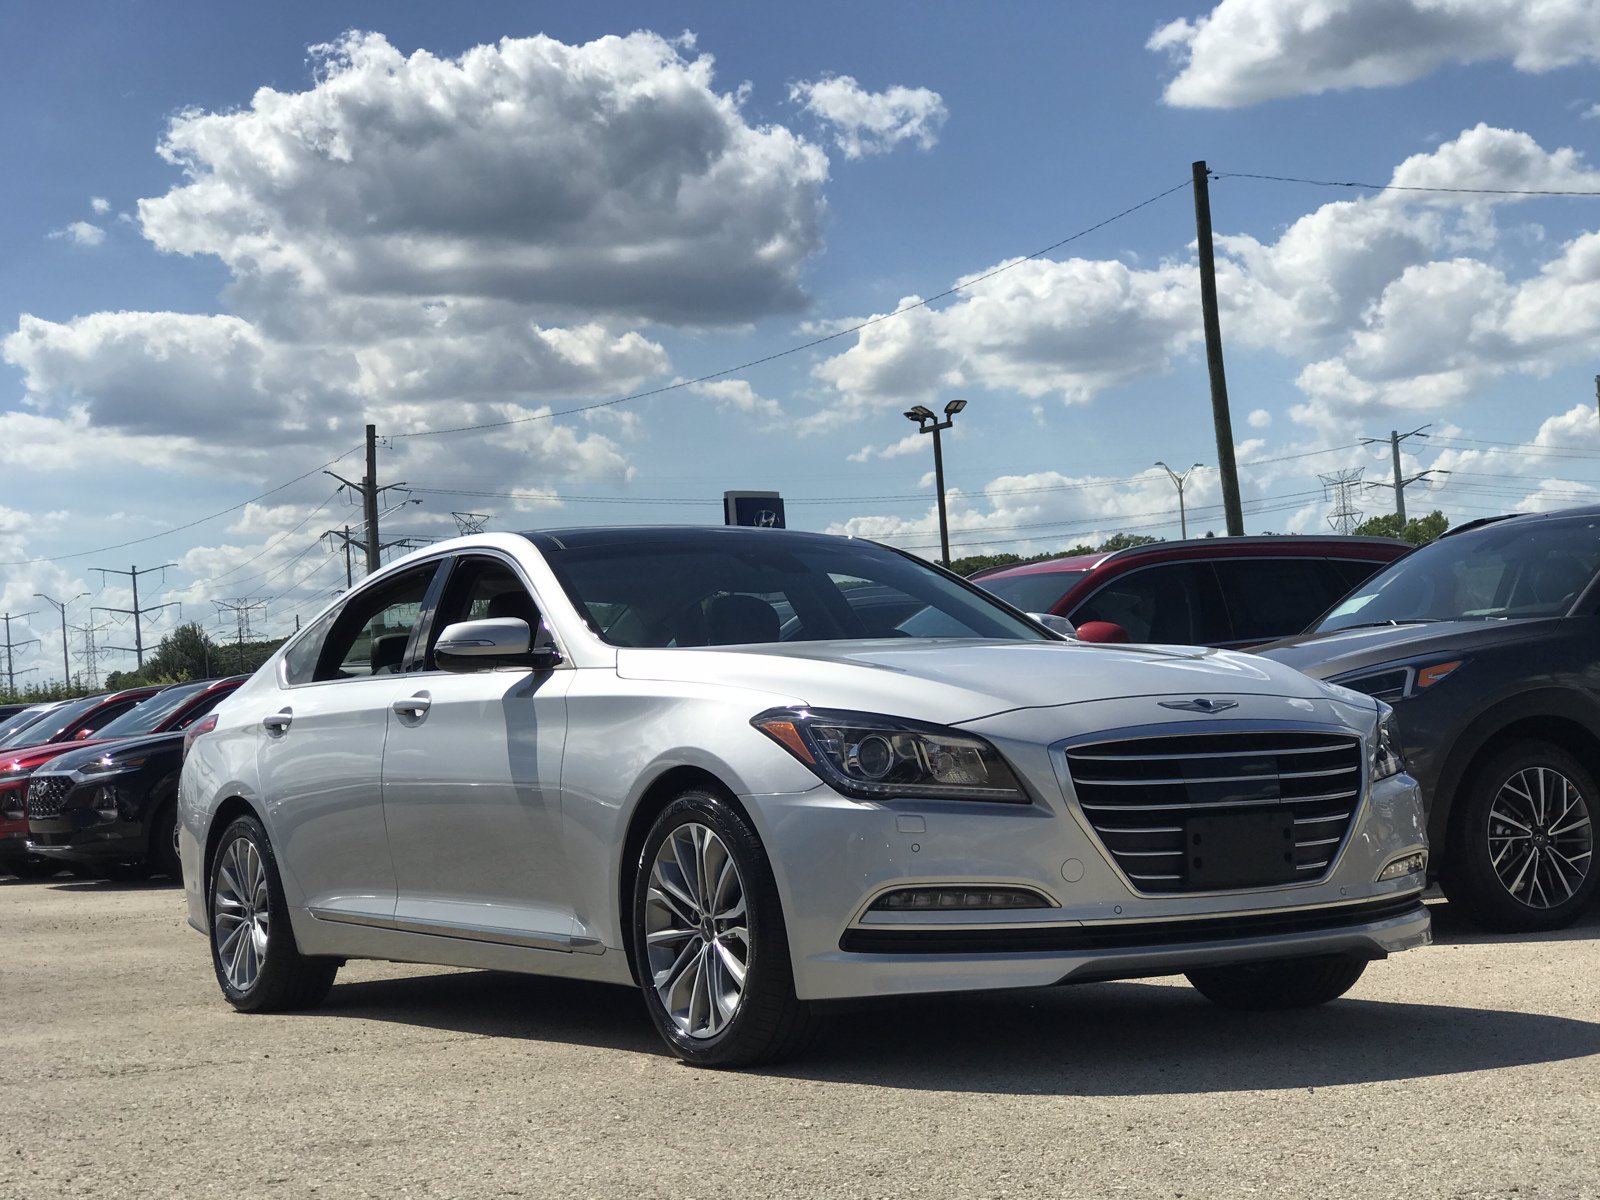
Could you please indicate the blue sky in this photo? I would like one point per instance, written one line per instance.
(223, 250)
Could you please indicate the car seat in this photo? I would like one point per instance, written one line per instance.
(735, 619)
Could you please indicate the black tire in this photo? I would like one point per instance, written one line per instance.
(163, 852)
(284, 979)
(1283, 983)
(1479, 833)
(35, 868)
(768, 1023)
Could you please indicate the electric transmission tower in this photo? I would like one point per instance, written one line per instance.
(471, 522)
(89, 656)
(137, 613)
(241, 607)
(11, 649)
(1340, 489)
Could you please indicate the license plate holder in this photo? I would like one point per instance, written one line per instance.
(1232, 850)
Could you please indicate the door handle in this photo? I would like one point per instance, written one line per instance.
(412, 706)
(277, 723)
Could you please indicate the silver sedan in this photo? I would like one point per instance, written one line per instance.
(753, 771)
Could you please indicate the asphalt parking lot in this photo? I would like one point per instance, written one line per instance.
(1470, 1069)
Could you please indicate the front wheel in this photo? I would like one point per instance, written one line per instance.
(1522, 840)
(710, 945)
(258, 964)
(1285, 983)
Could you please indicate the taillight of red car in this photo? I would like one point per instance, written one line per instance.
(200, 728)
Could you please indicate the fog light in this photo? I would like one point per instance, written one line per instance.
(949, 899)
(1409, 864)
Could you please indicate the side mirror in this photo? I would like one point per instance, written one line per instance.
(1056, 624)
(494, 642)
(1103, 631)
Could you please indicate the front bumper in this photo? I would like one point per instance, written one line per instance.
(88, 830)
(836, 856)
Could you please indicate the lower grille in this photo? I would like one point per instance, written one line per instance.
(1209, 811)
(47, 795)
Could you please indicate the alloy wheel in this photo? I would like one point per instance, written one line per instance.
(697, 934)
(241, 914)
(1541, 841)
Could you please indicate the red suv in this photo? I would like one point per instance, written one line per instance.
(1233, 592)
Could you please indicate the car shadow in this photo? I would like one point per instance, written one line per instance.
(1451, 927)
(1113, 1039)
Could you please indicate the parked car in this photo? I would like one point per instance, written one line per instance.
(77, 724)
(1487, 642)
(110, 805)
(30, 714)
(593, 753)
(1234, 592)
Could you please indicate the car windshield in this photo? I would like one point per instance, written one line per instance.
(1497, 572)
(144, 718)
(1037, 592)
(19, 721)
(716, 591)
(53, 726)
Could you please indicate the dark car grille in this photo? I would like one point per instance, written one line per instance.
(47, 795)
(1201, 812)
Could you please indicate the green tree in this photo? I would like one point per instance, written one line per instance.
(1419, 531)
(186, 653)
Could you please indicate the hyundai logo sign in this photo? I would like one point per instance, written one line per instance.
(759, 510)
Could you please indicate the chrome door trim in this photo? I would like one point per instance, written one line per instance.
(569, 944)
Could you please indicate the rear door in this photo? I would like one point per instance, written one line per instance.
(1170, 603)
(320, 755)
(1272, 598)
(471, 782)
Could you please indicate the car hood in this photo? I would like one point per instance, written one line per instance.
(952, 681)
(83, 752)
(26, 758)
(1327, 655)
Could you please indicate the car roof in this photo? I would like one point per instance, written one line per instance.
(586, 536)
(1560, 514)
(1223, 547)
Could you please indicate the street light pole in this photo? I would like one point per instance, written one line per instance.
(927, 422)
(1178, 481)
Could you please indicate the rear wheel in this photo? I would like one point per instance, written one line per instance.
(1285, 983)
(1522, 840)
(258, 965)
(709, 939)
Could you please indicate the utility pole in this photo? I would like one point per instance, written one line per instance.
(1220, 417)
(927, 422)
(137, 613)
(61, 607)
(368, 490)
(11, 648)
(241, 609)
(1401, 483)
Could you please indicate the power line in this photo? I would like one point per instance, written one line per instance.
(1400, 187)
(680, 384)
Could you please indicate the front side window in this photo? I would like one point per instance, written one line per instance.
(368, 634)
(1499, 572)
(718, 591)
(1164, 604)
(480, 588)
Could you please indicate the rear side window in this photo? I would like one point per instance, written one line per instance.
(1039, 592)
(1270, 598)
(1164, 604)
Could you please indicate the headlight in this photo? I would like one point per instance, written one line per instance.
(107, 765)
(1400, 682)
(873, 757)
(1387, 756)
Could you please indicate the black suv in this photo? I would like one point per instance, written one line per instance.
(1487, 643)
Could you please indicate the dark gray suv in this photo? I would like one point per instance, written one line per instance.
(1487, 644)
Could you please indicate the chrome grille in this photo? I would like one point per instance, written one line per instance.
(47, 795)
(1153, 803)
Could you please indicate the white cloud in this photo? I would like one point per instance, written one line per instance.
(912, 443)
(100, 204)
(1259, 418)
(597, 181)
(1247, 51)
(1067, 329)
(80, 233)
(739, 396)
(872, 122)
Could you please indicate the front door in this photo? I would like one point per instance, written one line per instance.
(471, 784)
